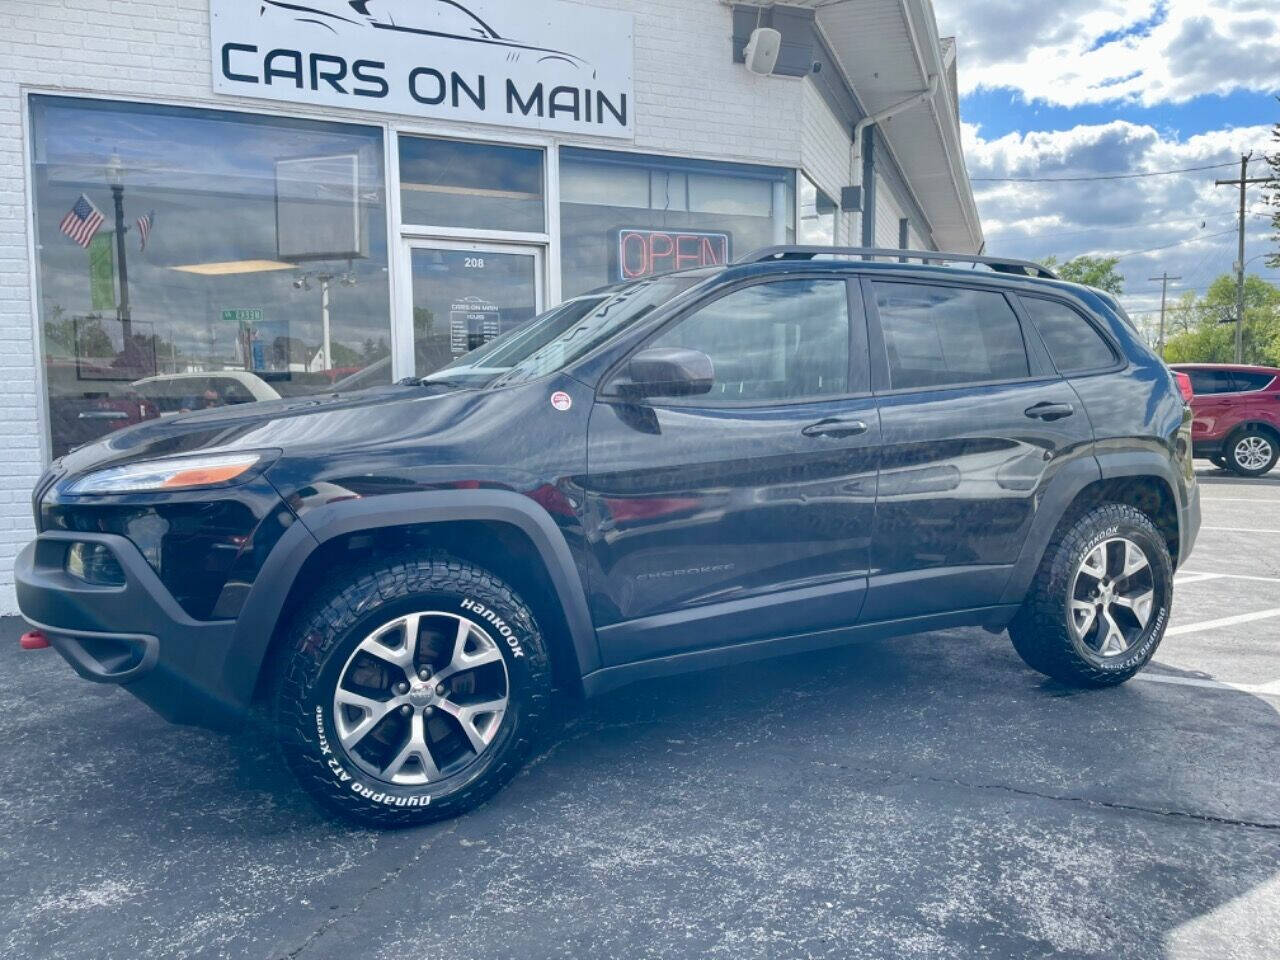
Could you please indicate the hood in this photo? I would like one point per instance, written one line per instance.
(294, 425)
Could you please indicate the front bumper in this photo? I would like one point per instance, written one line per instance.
(135, 634)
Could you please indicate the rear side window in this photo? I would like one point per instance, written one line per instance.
(1249, 380)
(1074, 344)
(938, 336)
(785, 340)
(1211, 381)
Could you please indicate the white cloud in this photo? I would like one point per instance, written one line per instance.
(1193, 220)
(1075, 52)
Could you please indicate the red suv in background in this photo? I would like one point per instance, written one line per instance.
(1237, 415)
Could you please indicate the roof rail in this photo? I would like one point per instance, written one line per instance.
(800, 252)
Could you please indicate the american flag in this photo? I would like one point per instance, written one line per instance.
(144, 228)
(82, 221)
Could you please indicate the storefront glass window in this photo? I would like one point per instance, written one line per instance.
(817, 225)
(451, 183)
(625, 216)
(196, 258)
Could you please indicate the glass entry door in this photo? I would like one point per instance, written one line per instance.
(465, 294)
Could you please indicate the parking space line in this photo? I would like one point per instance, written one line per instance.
(1182, 579)
(1239, 530)
(1257, 689)
(1222, 622)
(1232, 576)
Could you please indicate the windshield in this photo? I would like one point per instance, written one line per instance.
(561, 335)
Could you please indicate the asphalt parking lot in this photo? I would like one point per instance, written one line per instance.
(926, 797)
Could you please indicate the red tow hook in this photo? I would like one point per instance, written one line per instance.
(33, 640)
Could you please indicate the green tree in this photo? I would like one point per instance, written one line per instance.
(1183, 314)
(1203, 328)
(1097, 272)
(343, 356)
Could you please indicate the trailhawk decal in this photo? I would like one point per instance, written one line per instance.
(369, 793)
(495, 621)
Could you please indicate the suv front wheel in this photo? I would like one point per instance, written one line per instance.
(411, 690)
(1100, 602)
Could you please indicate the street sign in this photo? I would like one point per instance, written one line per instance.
(251, 315)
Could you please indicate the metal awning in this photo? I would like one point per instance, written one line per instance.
(888, 49)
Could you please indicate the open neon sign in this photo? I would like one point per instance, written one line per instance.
(644, 253)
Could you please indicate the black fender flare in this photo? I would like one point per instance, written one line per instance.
(1159, 463)
(1054, 502)
(260, 616)
(1067, 485)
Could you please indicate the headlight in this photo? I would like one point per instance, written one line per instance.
(173, 473)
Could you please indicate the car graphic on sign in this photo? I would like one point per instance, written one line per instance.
(438, 19)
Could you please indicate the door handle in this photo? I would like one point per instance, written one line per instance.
(835, 427)
(1049, 411)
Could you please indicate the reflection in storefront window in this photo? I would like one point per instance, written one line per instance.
(463, 299)
(453, 183)
(817, 226)
(626, 216)
(196, 258)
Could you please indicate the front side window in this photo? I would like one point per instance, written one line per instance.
(1074, 344)
(190, 259)
(938, 336)
(787, 340)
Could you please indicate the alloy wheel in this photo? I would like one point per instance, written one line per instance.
(1112, 597)
(421, 698)
(1252, 452)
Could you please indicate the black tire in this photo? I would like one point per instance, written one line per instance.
(1042, 632)
(1219, 461)
(321, 645)
(1251, 451)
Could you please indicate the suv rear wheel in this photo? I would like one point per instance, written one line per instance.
(1100, 602)
(412, 691)
(1251, 452)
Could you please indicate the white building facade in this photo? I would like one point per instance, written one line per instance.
(207, 202)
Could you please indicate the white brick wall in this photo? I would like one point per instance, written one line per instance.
(825, 150)
(690, 98)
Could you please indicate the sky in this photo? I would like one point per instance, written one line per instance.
(1080, 88)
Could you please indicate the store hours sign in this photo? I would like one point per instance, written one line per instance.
(536, 63)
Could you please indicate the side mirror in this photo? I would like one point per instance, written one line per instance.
(669, 372)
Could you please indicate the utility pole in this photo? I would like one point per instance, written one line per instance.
(1164, 279)
(1242, 182)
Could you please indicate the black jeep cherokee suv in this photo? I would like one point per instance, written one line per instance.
(681, 472)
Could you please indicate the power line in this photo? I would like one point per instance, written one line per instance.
(1101, 176)
(1140, 225)
(1194, 276)
(1167, 246)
